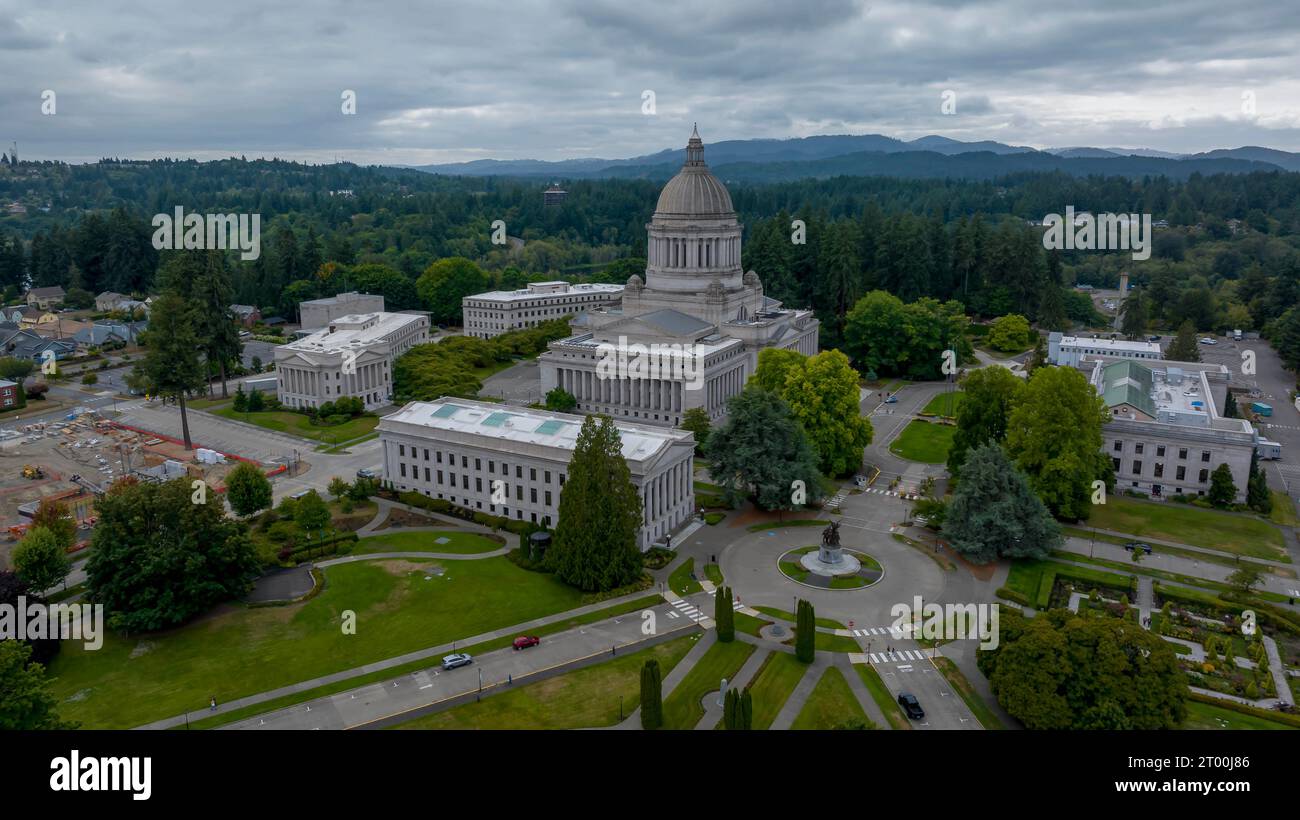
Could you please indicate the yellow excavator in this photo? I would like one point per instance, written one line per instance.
(33, 471)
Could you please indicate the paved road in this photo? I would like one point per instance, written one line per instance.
(888, 421)
(431, 689)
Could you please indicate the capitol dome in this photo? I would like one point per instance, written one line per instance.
(695, 191)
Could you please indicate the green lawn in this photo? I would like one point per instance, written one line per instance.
(1209, 716)
(793, 522)
(772, 686)
(749, 624)
(682, 709)
(945, 404)
(297, 424)
(1227, 532)
(790, 616)
(880, 694)
(924, 442)
(1195, 555)
(680, 580)
(585, 698)
(466, 543)
(421, 665)
(831, 703)
(1283, 511)
(238, 651)
(985, 715)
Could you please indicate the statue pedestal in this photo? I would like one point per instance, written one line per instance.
(840, 563)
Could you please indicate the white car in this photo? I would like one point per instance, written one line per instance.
(1208, 341)
(456, 660)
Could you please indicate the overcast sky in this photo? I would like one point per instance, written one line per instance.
(449, 81)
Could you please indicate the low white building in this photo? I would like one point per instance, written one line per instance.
(315, 313)
(462, 450)
(1068, 351)
(485, 315)
(1166, 434)
(352, 356)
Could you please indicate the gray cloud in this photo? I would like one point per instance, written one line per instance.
(443, 81)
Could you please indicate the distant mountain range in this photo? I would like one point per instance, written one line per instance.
(771, 160)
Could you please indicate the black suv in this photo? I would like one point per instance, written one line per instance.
(910, 705)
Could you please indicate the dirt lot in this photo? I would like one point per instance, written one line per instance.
(99, 455)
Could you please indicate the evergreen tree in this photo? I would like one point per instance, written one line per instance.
(730, 706)
(724, 615)
(27, 702)
(805, 632)
(745, 711)
(652, 702)
(761, 450)
(1230, 406)
(1185, 346)
(1223, 492)
(171, 365)
(212, 294)
(1133, 315)
(1258, 497)
(596, 540)
(995, 514)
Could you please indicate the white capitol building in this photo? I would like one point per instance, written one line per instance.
(694, 293)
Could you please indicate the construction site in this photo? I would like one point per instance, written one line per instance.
(75, 460)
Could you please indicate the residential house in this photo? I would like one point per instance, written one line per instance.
(45, 298)
(32, 317)
(108, 300)
(246, 315)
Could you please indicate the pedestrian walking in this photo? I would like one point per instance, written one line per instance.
(212, 701)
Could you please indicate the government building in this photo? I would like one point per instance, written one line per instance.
(1166, 433)
(695, 299)
(512, 462)
(485, 315)
(351, 356)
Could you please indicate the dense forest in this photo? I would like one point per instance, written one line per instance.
(1230, 256)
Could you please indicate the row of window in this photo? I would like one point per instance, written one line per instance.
(498, 485)
(1179, 475)
(1138, 447)
(478, 464)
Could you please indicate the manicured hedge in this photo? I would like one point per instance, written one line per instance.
(1081, 575)
(335, 545)
(1290, 719)
(1266, 614)
(440, 505)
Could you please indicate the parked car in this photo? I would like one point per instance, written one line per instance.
(366, 472)
(1153, 338)
(456, 659)
(1208, 341)
(525, 641)
(911, 705)
(299, 494)
(1138, 545)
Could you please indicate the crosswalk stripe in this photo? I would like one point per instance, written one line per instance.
(672, 614)
(857, 633)
(874, 659)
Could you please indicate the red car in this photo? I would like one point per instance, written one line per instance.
(525, 641)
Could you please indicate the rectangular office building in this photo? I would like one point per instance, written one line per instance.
(490, 314)
(352, 356)
(513, 461)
